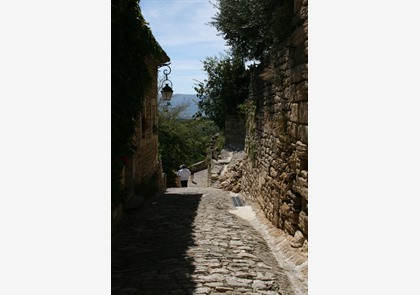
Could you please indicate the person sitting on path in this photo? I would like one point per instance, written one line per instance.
(184, 174)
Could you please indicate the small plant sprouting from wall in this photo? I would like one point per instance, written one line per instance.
(252, 150)
(220, 143)
(249, 108)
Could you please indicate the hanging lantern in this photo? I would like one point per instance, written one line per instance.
(166, 90)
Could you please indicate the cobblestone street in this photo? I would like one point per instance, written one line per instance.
(189, 241)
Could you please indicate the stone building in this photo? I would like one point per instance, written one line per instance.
(142, 173)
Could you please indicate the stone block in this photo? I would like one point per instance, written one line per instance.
(301, 91)
(276, 184)
(290, 194)
(289, 92)
(285, 211)
(304, 68)
(303, 113)
(304, 174)
(298, 239)
(302, 165)
(297, 74)
(303, 133)
(305, 27)
(280, 224)
(299, 36)
(283, 57)
(303, 222)
(292, 161)
(301, 149)
(301, 182)
(273, 172)
(274, 164)
(303, 13)
(223, 289)
(261, 181)
(303, 191)
(294, 113)
(292, 129)
(284, 176)
(289, 228)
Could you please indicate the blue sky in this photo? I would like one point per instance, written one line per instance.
(180, 28)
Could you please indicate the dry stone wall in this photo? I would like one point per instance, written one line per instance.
(275, 171)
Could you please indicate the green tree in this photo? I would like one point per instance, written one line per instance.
(182, 141)
(225, 88)
(251, 27)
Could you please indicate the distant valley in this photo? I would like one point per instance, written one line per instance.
(191, 100)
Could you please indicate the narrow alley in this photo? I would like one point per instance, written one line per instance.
(195, 240)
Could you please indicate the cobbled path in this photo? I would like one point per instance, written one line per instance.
(187, 242)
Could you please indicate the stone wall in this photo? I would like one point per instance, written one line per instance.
(275, 172)
(143, 173)
(136, 171)
(146, 162)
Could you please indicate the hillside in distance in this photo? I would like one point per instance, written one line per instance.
(191, 100)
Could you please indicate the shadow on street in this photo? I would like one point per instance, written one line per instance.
(148, 254)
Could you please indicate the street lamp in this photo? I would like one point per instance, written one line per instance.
(166, 90)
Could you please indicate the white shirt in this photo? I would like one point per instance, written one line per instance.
(184, 174)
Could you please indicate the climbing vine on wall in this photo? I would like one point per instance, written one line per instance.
(249, 109)
(131, 42)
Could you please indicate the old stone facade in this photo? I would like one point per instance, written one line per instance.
(275, 171)
(143, 173)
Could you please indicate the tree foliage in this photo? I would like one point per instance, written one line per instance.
(251, 27)
(225, 88)
(182, 141)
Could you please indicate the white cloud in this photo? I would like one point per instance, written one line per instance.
(181, 23)
(180, 28)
